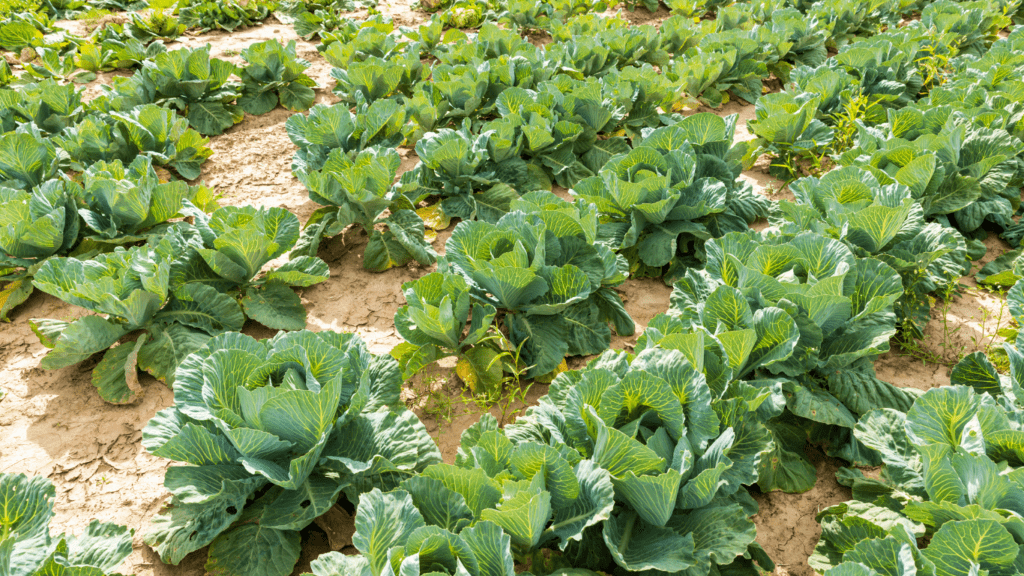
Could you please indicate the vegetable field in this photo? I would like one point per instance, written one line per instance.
(500, 287)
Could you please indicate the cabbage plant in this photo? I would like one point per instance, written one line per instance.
(458, 167)
(662, 200)
(542, 267)
(881, 222)
(962, 173)
(787, 127)
(531, 126)
(152, 25)
(326, 128)
(126, 204)
(271, 434)
(28, 549)
(116, 205)
(115, 54)
(274, 75)
(196, 85)
(433, 324)
(174, 293)
(885, 70)
(357, 40)
(34, 225)
(949, 480)
(415, 547)
(629, 465)
(374, 78)
(357, 189)
(972, 27)
(319, 18)
(722, 62)
(224, 14)
(145, 130)
(803, 311)
(47, 105)
(27, 159)
(155, 132)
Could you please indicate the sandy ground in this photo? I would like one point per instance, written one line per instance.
(53, 423)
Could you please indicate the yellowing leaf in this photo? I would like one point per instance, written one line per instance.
(433, 217)
(547, 378)
(12, 295)
(480, 369)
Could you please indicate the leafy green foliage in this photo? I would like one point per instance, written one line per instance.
(272, 433)
(373, 77)
(885, 71)
(327, 128)
(796, 39)
(566, 129)
(540, 265)
(312, 18)
(547, 15)
(26, 160)
(673, 191)
(952, 440)
(148, 130)
(274, 75)
(47, 106)
(117, 206)
(51, 64)
(354, 41)
(179, 289)
(38, 223)
(226, 15)
(1003, 271)
(357, 189)
(22, 30)
(457, 166)
(433, 324)
(464, 14)
(803, 311)
(721, 62)
(972, 26)
(625, 466)
(154, 24)
(6, 76)
(786, 128)
(8, 7)
(123, 204)
(34, 225)
(848, 19)
(196, 85)
(115, 54)
(962, 174)
(28, 548)
(881, 222)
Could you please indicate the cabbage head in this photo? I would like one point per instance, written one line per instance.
(271, 434)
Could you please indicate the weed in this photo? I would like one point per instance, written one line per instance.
(986, 342)
(950, 351)
(439, 405)
(845, 123)
(511, 397)
(933, 66)
(909, 338)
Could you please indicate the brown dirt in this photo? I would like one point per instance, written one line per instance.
(968, 322)
(785, 524)
(52, 422)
